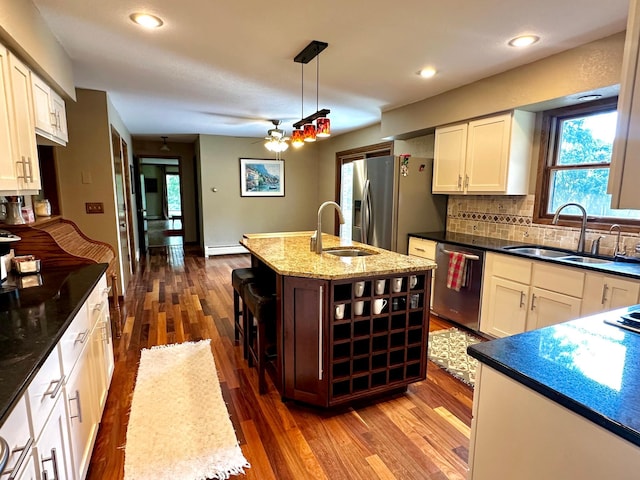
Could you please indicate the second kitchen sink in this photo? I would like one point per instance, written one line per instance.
(539, 251)
(586, 260)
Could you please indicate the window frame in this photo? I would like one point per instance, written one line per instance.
(549, 134)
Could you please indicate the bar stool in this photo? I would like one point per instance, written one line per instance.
(239, 278)
(260, 303)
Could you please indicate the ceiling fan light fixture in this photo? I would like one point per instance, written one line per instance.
(146, 20)
(164, 147)
(323, 127)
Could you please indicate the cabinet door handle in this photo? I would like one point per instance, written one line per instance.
(54, 120)
(320, 323)
(77, 400)
(459, 182)
(522, 299)
(533, 302)
(82, 337)
(23, 162)
(420, 249)
(54, 387)
(604, 294)
(106, 338)
(54, 463)
(30, 177)
(466, 182)
(13, 472)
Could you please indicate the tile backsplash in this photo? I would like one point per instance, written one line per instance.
(511, 218)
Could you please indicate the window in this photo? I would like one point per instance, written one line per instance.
(576, 152)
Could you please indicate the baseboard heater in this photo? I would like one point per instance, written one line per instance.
(224, 250)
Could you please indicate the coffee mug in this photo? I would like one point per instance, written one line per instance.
(359, 289)
(358, 307)
(415, 300)
(380, 286)
(413, 281)
(339, 311)
(396, 284)
(378, 305)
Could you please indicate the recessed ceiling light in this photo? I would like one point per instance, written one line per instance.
(146, 20)
(427, 72)
(589, 97)
(523, 40)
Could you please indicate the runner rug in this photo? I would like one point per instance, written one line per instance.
(179, 427)
(448, 349)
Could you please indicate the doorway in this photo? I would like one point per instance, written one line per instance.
(161, 199)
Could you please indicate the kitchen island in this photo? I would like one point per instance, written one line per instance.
(323, 360)
(558, 402)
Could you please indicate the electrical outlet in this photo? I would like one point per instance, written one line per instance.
(95, 207)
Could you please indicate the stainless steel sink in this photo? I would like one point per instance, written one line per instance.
(587, 260)
(348, 252)
(538, 252)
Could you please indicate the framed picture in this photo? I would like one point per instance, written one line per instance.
(261, 178)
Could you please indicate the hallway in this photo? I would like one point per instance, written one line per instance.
(422, 434)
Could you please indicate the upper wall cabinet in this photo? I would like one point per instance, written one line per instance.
(488, 156)
(19, 101)
(8, 167)
(49, 109)
(625, 158)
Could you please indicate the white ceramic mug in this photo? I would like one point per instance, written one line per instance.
(339, 311)
(380, 286)
(359, 289)
(358, 307)
(379, 304)
(396, 284)
(413, 281)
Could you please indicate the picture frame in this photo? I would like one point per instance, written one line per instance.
(261, 177)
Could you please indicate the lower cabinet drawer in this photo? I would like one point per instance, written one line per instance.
(559, 279)
(75, 339)
(44, 390)
(420, 247)
(15, 431)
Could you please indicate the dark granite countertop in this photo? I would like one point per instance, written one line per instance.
(626, 269)
(585, 365)
(32, 320)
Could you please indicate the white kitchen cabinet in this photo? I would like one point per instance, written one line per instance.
(16, 432)
(606, 292)
(521, 294)
(52, 449)
(505, 300)
(8, 170)
(625, 157)
(486, 156)
(423, 248)
(550, 308)
(81, 413)
(517, 433)
(25, 152)
(50, 113)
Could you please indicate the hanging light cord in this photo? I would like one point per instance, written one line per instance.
(317, 79)
(302, 90)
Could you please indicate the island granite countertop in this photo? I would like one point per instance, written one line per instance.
(288, 253)
(585, 365)
(32, 321)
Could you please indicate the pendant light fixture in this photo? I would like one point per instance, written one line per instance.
(305, 130)
(164, 147)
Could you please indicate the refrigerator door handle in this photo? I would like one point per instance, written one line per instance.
(365, 211)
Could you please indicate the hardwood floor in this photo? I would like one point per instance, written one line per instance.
(422, 434)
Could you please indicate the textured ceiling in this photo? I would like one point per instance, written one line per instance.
(226, 68)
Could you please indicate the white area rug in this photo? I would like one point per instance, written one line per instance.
(448, 349)
(179, 427)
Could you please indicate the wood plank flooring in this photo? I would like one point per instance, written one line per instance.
(422, 434)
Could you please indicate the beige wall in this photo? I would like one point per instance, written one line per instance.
(88, 153)
(588, 67)
(186, 153)
(24, 31)
(226, 215)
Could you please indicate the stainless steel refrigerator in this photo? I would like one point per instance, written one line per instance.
(382, 206)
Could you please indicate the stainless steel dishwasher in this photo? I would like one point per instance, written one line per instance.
(462, 307)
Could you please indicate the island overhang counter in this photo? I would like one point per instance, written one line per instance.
(377, 341)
